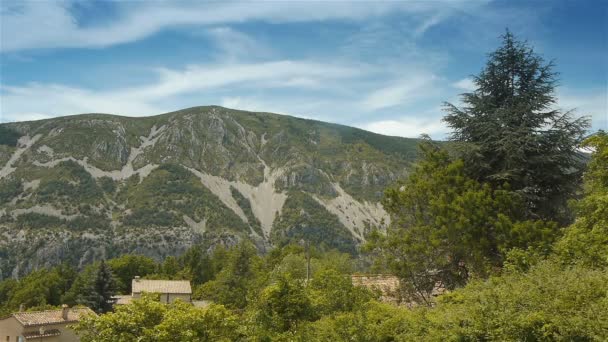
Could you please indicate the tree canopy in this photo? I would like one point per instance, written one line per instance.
(447, 227)
(514, 134)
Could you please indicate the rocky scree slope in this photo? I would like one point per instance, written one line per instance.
(85, 187)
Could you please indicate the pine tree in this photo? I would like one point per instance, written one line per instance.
(513, 133)
(99, 289)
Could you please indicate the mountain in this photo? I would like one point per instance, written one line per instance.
(91, 186)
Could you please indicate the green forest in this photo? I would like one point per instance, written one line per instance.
(508, 222)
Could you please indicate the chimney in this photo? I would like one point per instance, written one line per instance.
(64, 312)
(136, 278)
(21, 307)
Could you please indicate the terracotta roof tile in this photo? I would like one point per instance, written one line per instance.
(50, 316)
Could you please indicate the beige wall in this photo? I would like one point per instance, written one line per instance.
(11, 327)
(168, 298)
(184, 297)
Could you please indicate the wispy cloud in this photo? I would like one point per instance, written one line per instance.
(465, 84)
(153, 98)
(233, 45)
(409, 126)
(590, 103)
(371, 66)
(51, 24)
(402, 92)
(318, 92)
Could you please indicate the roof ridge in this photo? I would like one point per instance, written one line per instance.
(49, 310)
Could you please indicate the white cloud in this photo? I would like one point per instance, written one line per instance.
(466, 84)
(27, 117)
(592, 103)
(411, 127)
(429, 22)
(253, 105)
(403, 92)
(147, 99)
(50, 24)
(317, 91)
(18, 103)
(273, 74)
(234, 45)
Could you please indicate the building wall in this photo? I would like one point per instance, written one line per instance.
(67, 334)
(168, 298)
(184, 297)
(10, 327)
(388, 285)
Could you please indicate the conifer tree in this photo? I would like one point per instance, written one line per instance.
(515, 135)
(100, 290)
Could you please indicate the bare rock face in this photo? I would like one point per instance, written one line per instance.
(94, 186)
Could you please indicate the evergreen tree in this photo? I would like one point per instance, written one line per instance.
(515, 135)
(198, 265)
(100, 289)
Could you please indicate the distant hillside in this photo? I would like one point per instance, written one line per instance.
(84, 187)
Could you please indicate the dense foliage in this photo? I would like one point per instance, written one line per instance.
(447, 227)
(149, 320)
(587, 239)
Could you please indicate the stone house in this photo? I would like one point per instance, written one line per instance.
(169, 290)
(389, 287)
(48, 325)
(387, 284)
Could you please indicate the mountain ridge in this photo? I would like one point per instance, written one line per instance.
(203, 175)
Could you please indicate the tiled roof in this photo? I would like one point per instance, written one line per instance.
(161, 286)
(38, 335)
(50, 316)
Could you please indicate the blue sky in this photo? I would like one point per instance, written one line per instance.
(381, 66)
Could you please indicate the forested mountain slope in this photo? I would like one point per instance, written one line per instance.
(85, 187)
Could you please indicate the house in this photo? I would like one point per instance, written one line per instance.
(48, 325)
(169, 290)
(387, 284)
(389, 287)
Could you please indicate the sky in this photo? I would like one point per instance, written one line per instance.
(383, 66)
